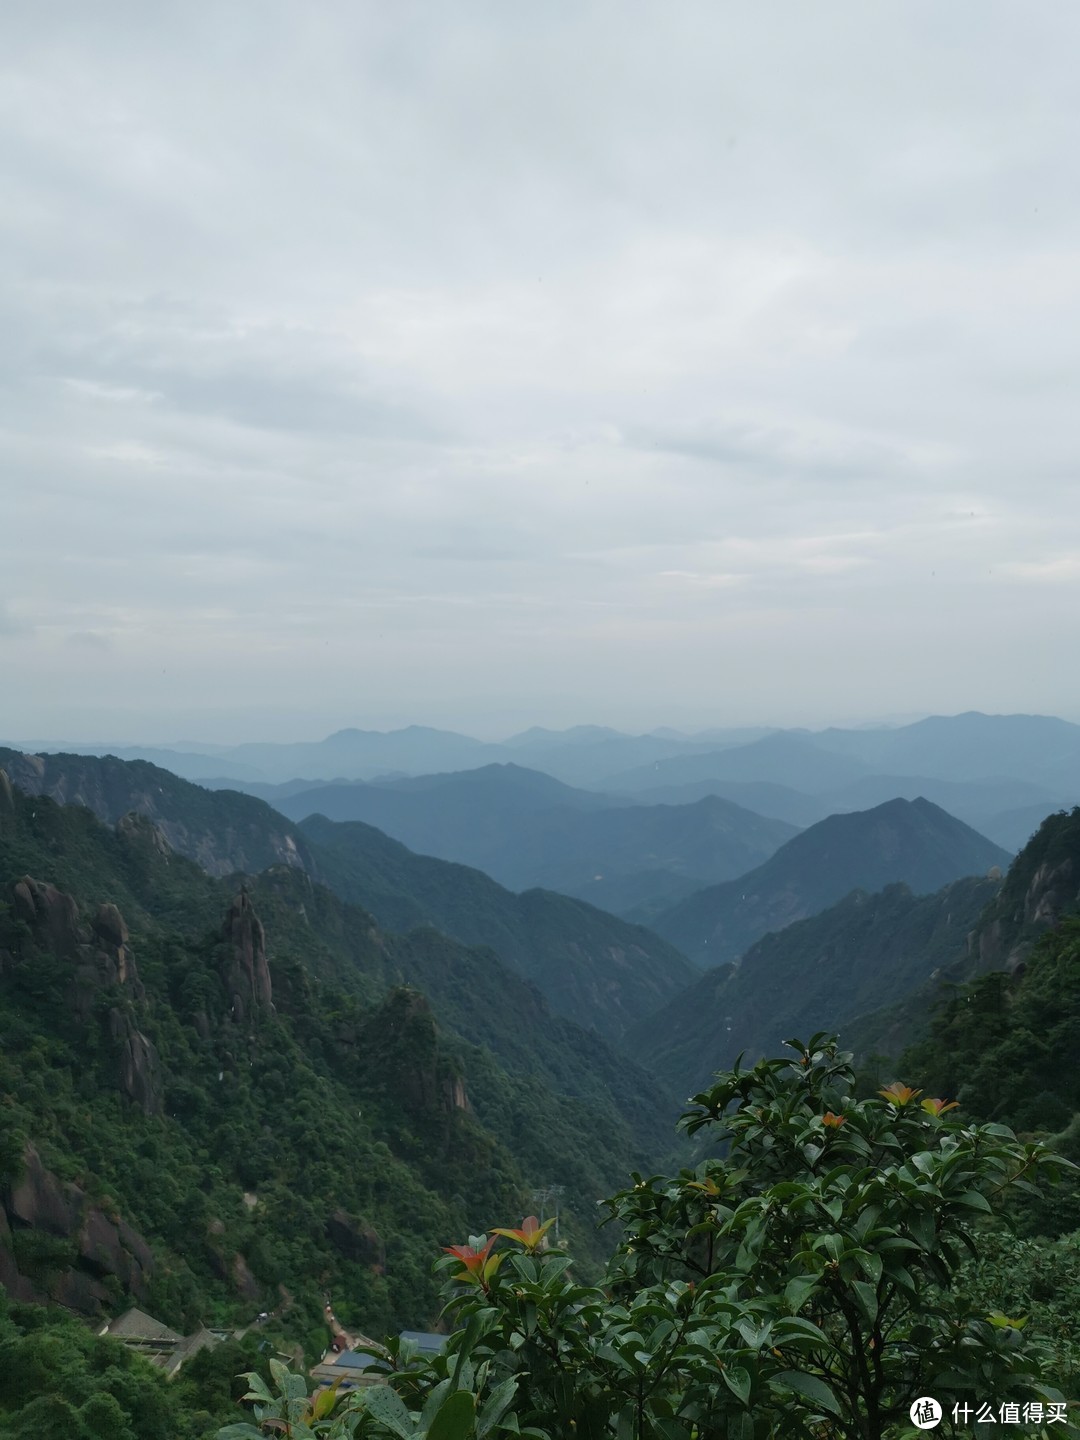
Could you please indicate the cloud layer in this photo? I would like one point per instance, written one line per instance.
(479, 365)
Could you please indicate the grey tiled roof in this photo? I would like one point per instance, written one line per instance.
(135, 1324)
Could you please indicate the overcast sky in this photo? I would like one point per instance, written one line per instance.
(488, 364)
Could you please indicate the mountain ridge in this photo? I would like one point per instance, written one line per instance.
(913, 841)
(225, 832)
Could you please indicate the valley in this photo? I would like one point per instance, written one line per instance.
(259, 1044)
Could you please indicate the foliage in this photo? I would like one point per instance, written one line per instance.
(865, 951)
(804, 1285)
(1037, 1279)
(58, 1381)
(1007, 1047)
(602, 971)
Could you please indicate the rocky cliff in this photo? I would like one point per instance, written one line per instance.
(55, 1245)
(95, 961)
(1043, 884)
(222, 831)
(244, 971)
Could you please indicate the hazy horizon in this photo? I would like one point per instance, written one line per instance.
(313, 734)
(480, 366)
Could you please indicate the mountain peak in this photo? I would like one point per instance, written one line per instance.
(913, 841)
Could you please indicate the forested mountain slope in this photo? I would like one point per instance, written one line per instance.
(593, 967)
(1042, 885)
(167, 1057)
(1008, 1048)
(605, 972)
(877, 966)
(222, 831)
(817, 974)
(908, 841)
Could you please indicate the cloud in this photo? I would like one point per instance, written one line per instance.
(528, 352)
(88, 640)
(1054, 570)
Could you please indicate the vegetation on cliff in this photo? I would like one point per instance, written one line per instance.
(300, 1117)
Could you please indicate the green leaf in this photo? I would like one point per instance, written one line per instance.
(473, 1331)
(974, 1200)
(738, 1381)
(870, 1265)
(495, 1407)
(325, 1401)
(387, 1407)
(256, 1387)
(812, 1388)
(796, 1328)
(433, 1400)
(455, 1418)
(799, 1290)
(240, 1431)
(922, 1227)
(867, 1298)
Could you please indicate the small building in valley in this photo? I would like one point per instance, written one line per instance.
(161, 1345)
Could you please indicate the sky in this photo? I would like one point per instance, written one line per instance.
(484, 365)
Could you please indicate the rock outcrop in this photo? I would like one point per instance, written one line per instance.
(98, 960)
(52, 916)
(1034, 897)
(141, 833)
(102, 1248)
(356, 1240)
(245, 971)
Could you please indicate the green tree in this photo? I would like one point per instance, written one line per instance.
(800, 1282)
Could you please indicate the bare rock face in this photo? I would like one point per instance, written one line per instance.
(356, 1240)
(108, 926)
(40, 1201)
(7, 799)
(1053, 890)
(233, 1269)
(1005, 942)
(140, 1072)
(246, 973)
(124, 793)
(140, 831)
(52, 916)
(103, 1246)
(100, 960)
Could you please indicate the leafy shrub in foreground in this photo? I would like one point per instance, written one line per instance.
(804, 1286)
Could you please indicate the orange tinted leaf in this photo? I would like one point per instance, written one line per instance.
(899, 1094)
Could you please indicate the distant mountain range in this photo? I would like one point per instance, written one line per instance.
(593, 967)
(910, 841)
(1039, 748)
(528, 830)
(1005, 811)
(998, 773)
